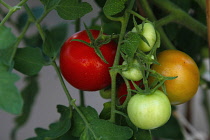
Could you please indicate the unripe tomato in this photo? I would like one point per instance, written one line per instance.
(133, 72)
(105, 93)
(149, 111)
(176, 63)
(122, 91)
(149, 33)
(82, 67)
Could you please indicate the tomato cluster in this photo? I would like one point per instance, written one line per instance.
(148, 105)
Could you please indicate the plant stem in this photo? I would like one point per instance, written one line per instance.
(5, 4)
(20, 37)
(208, 23)
(62, 82)
(182, 17)
(11, 9)
(113, 72)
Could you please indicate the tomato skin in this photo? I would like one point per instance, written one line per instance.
(149, 111)
(132, 73)
(82, 67)
(177, 63)
(122, 90)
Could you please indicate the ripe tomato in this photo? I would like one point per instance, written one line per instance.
(82, 67)
(149, 111)
(176, 63)
(122, 91)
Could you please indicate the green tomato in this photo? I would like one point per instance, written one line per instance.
(133, 71)
(149, 33)
(105, 93)
(149, 111)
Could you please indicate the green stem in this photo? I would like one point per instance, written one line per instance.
(165, 20)
(182, 17)
(32, 17)
(20, 37)
(62, 82)
(164, 38)
(82, 98)
(70, 99)
(113, 72)
(5, 4)
(11, 10)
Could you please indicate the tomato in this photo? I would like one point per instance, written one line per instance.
(149, 111)
(133, 71)
(82, 67)
(149, 33)
(122, 91)
(105, 93)
(176, 63)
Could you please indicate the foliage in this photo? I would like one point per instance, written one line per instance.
(179, 25)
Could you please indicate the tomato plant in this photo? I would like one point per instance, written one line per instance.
(82, 67)
(149, 111)
(117, 55)
(177, 63)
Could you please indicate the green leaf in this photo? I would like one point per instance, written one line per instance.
(50, 4)
(72, 9)
(10, 98)
(130, 44)
(28, 60)
(105, 130)
(54, 40)
(168, 130)
(78, 125)
(106, 112)
(7, 38)
(143, 135)
(28, 93)
(113, 7)
(55, 129)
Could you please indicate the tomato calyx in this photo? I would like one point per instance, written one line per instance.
(96, 43)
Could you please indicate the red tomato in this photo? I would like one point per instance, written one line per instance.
(82, 67)
(122, 90)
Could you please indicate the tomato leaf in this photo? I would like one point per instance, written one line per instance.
(113, 7)
(56, 129)
(106, 112)
(50, 4)
(105, 130)
(78, 125)
(130, 44)
(28, 93)
(72, 9)
(7, 38)
(165, 132)
(54, 40)
(143, 135)
(28, 60)
(10, 98)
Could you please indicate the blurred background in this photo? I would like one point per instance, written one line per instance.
(51, 93)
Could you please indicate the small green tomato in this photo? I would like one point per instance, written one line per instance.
(133, 71)
(149, 111)
(105, 93)
(149, 33)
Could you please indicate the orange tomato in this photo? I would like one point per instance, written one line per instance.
(176, 63)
